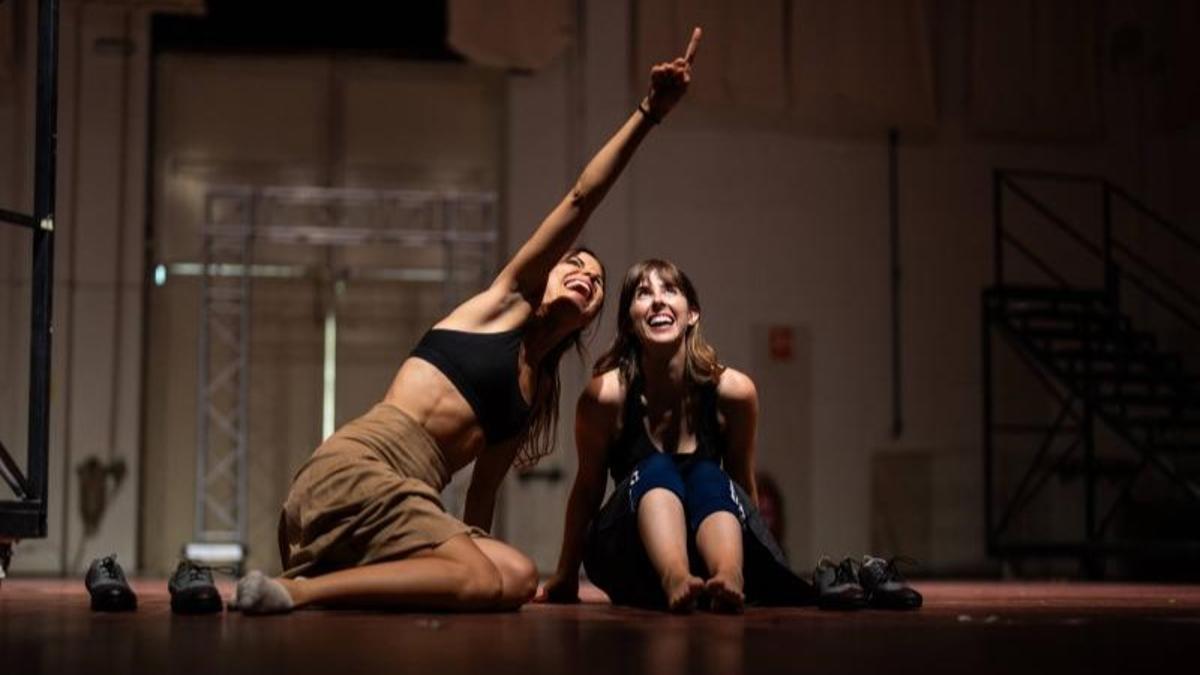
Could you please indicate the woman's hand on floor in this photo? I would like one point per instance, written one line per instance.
(559, 589)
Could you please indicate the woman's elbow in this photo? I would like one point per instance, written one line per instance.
(582, 198)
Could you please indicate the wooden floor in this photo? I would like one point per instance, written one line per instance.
(973, 628)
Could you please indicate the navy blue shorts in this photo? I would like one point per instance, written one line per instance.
(616, 559)
(700, 484)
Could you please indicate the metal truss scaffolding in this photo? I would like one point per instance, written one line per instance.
(461, 226)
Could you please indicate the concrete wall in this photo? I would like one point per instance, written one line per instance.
(777, 225)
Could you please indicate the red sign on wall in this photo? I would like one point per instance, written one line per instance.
(780, 343)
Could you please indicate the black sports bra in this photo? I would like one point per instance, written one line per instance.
(483, 367)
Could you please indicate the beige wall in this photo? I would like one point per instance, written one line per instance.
(295, 120)
(777, 225)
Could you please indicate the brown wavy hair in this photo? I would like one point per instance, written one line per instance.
(701, 367)
(537, 440)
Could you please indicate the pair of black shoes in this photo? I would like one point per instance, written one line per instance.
(874, 582)
(191, 587)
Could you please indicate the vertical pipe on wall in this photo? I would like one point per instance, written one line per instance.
(894, 228)
(148, 257)
(118, 345)
(332, 294)
(68, 362)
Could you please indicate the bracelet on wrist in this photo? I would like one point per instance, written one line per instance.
(645, 110)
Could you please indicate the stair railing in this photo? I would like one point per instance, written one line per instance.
(1160, 288)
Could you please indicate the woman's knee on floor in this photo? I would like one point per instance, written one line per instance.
(518, 574)
(480, 585)
(477, 580)
(520, 581)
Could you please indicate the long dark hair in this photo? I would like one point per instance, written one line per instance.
(701, 366)
(538, 438)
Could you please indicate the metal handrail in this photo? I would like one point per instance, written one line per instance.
(1043, 174)
(1153, 215)
(1053, 217)
(1037, 261)
(1109, 247)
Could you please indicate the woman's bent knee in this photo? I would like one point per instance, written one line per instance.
(481, 586)
(519, 576)
(521, 582)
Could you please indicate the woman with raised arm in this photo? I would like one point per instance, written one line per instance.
(362, 523)
(676, 431)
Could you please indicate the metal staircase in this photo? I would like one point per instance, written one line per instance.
(1127, 424)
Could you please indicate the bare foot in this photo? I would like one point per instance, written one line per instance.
(682, 593)
(724, 590)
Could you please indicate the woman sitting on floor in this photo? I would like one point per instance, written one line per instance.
(676, 431)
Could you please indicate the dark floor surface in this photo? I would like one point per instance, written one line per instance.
(973, 628)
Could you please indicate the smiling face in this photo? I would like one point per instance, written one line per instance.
(659, 317)
(660, 312)
(577, 279)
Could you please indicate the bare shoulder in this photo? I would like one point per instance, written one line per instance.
(598, 415)
(603, 392)
(496, 308)
(736, 388)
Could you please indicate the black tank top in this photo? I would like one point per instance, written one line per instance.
(483, 367)
(633, 444)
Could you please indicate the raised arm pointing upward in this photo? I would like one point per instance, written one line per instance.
(362, 522)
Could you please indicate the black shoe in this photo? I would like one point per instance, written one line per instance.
(105, 582)
(192, 589)
(837, 585)
(885, 587)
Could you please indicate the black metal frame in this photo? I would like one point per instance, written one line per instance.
(25, 517)
(1077, 392)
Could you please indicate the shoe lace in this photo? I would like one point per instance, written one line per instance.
(891, 572)
(847, 572)
(108, 566)
(196, 572)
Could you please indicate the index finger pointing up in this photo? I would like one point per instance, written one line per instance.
(690, 54)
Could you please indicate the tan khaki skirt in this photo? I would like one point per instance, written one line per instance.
(370, 493)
